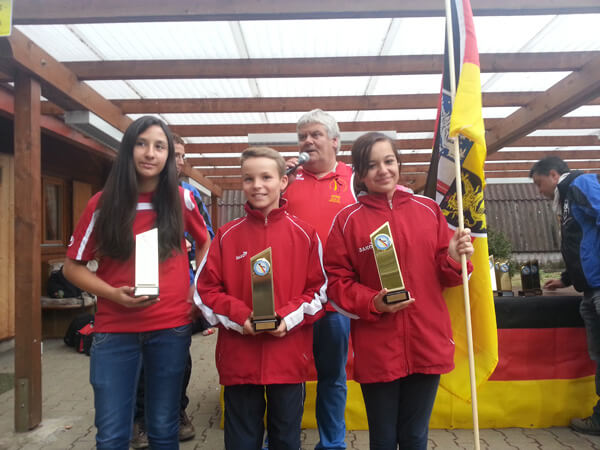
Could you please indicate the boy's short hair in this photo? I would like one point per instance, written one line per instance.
(264, 152)
(177, 139)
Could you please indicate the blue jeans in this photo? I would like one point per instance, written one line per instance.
(115, 364)
(330, 349)
(398, 411)
(589, 308)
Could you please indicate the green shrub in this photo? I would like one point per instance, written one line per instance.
(498, 244)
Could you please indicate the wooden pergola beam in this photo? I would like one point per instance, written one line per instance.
(319, 67)
(293, 104)
(102, 11)
(563, 97)
(28, 234)
(59, 84)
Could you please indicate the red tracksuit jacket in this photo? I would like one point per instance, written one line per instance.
(224, 295)
(417, 339)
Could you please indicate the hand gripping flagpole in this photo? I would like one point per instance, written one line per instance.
(461, 226)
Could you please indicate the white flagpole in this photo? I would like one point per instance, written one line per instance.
(461, 226)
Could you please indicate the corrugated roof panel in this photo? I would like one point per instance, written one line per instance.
(504, 34)
(407, 84)
(585, 110)
(418, 36)
(519, 211)
(522, 81)
(59, 41)
(161, 40)
(312, 86)
(213, 118)
(568, 32)
(112, 89)
(314, 38)
(217, 140)
(186, 88)
(292, 117)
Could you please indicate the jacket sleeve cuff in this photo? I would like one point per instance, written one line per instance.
(453, 264)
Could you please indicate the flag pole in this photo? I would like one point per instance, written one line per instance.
(461, 226)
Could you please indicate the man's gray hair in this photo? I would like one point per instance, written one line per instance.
(321, 117)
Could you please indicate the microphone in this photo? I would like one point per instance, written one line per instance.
(303, 158)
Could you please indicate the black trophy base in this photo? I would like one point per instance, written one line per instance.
(396, 297)
(265, 324)
(530, 293)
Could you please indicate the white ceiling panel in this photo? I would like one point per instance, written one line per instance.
(314, 38)
(201, 88)
(59, 41)
(113, 89)
(311, 86)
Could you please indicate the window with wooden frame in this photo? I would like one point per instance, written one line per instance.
(53, 214)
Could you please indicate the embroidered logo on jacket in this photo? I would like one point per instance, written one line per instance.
(243, 255)
(366, 248)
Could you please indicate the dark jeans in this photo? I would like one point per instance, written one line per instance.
(398, 412)
(198, 326)
(589, 308)
(245, 409)
(114, 368)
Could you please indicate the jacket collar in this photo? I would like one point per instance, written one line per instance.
(375, 200)
(275, 214)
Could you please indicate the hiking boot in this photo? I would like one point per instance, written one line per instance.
(586, 426)
(140, 437)
(186, 429)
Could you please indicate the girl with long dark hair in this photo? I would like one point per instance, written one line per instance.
(400, 349)
(141, 193)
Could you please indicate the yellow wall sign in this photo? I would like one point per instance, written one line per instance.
(5, 17)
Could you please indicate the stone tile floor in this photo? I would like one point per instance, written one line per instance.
(68, 414)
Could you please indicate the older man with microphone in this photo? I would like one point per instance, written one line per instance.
(322, 186)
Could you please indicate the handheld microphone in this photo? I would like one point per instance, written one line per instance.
(302, 159)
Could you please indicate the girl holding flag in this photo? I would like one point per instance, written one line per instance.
(402, 348)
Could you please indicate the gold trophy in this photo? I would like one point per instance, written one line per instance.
(526, 280)
(505, 284)
(146, 264)
(263, 307)
(387, 265)
(493, 275)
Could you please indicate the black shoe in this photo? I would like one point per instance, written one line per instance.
(585, 426)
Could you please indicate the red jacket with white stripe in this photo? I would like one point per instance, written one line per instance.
(417, 339)
(224, 295)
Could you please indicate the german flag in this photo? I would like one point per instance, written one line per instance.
(544, 375)
(462, 120)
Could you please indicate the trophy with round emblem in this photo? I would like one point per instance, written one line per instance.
(387, 265)
(263, 307)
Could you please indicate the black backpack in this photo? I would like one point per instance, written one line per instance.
(60, 287)
(80, 333)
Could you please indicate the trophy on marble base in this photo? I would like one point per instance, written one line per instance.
(505, 288)
(387, 265)
(263, 306)
(146, 264)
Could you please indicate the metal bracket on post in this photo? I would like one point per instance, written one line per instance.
(22, 405)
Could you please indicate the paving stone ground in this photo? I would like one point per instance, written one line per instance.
(68, 414)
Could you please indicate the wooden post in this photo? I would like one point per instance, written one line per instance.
(214, 212)
(28, 210)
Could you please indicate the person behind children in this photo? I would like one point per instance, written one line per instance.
(400, 349)
(141, 193)
(321, 188)
(187, 431)
(275, 362)
(576, 199)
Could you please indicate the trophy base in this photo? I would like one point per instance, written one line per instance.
(151, 292)
(265, 324)
(396, 297)
(506, 294)
(530, 293)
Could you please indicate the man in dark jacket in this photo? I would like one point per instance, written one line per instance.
(576, 199)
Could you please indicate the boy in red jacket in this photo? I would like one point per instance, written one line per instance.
(250, 363)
